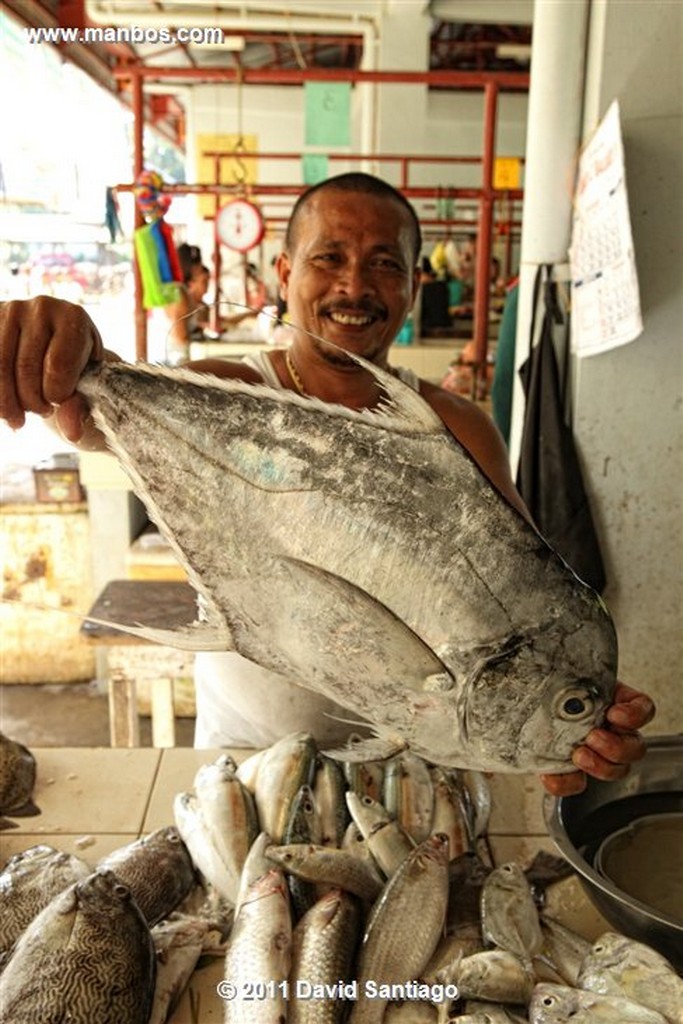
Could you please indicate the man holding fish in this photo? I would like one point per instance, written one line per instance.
(349, 273)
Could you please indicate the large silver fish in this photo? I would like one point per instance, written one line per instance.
(366, 556)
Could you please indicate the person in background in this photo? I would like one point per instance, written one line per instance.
(504, 369)
(170, 335)
(349, 274)
(189, 315)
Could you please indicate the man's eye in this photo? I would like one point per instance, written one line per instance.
(389, 264)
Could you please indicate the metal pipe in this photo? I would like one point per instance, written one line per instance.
(145, 16)
(138, 164)
(411, 192)
(509, 80)
(483, 256)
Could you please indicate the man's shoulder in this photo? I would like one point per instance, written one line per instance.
(226, 369)
(455, 410)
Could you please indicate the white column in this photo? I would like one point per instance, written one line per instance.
(553, 139)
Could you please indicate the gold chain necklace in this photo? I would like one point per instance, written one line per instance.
(298, 383)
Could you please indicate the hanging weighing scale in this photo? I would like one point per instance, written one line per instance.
(239, 225)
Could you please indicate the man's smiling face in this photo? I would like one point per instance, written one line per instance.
(350, 277)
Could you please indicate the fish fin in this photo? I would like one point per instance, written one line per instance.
(5, 823)
(198, 636)
(27, 810)
(356, 634)
(375, 748)
(404, 407)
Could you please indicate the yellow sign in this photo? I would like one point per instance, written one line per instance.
(229, 168)
(507, 172)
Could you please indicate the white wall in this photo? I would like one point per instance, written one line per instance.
(629, 402)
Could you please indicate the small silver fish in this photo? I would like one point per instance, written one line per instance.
(409, 794)
(387, 841)
(285, 767)
(258, 955)
(323, 945)
(618, 966)
(229, 811)
(404, 926)
(327, 864)
(559, 1004)
(509, 917)
(196, 835)
(450, 811)
(303, 826)
(178, 945)
(563, 949)
(329, 786)
(496, 975)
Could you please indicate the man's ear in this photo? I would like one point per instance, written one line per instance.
(416, 285)
(283, 267)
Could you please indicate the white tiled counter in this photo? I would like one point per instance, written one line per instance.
(93, 801)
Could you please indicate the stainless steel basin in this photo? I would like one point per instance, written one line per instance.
(579, 824)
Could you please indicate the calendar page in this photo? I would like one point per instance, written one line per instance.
(605, 297)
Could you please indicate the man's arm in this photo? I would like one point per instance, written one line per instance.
(45, 345)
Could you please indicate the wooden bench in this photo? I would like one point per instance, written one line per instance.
(162, 604)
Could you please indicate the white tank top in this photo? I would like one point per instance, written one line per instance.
(262, 363)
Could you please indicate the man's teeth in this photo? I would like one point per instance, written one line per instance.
(350, 319)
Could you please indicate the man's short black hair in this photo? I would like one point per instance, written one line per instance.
(354, 181)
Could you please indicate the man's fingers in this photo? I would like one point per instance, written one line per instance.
(44, 347)
(564, 785)
(20, 368)
(631, 710)
(616, 747)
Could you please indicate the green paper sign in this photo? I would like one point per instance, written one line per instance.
(328, 113)
(314, 168)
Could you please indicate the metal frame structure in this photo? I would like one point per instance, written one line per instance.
(490, 82)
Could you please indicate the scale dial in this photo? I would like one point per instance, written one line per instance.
(239, 225)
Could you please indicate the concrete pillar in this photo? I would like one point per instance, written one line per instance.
(553, 135)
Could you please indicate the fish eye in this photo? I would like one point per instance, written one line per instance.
(121, 890)
(575, 704)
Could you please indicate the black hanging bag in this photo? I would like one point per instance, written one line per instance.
(549, 475)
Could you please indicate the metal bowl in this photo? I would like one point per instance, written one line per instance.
(580, 824)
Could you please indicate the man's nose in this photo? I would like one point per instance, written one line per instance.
(354, 279)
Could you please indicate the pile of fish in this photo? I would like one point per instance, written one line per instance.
(355, 892)
(367, 557)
